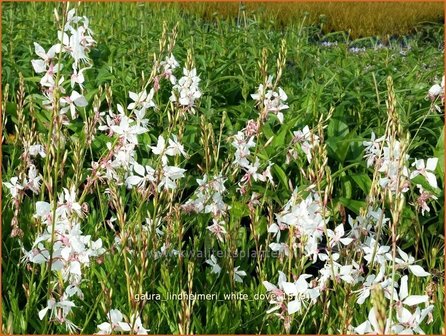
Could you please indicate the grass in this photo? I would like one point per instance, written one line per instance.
(377, 18)
(341, 95)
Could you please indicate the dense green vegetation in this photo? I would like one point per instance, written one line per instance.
(337, 86)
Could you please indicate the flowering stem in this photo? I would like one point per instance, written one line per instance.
(54, 204)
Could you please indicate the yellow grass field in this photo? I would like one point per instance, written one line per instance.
(361, 19)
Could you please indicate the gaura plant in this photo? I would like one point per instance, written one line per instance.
(111, 189)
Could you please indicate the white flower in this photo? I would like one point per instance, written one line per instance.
(427, 170)
(345, 273)
(169, 177)
(213, 262)
(374, 252)
(372, 149)
(160, 146)
(216, 205)
(48, 79)
(260, 93)
(242, 146)
(238, 274)
(272, 101)
(137, 326)
(407, 261)
(140, 118)
(141, 101)
(170, 64)
(277, 293)
(115, 323)
(403, 298)
(37, 149)
(186, 91)
(301, 292)
(50, 306)
(68, 204)
(96, 248)
(46, 58)
(143, 175)
(217, 229)
(112, 118)
(370, 282)
(435, 91)
(175, 148)
(79, 41)
(59, 311)
(275, 102)
(337, 236)
(280, 247)
(421, 200)
(307, 141)
(72, 290)
(77, 77)
(127, 131)
(251, 171)
(73, 101)
(267, 174)
(76, 48)
(13, 186)
(208, 196)
(123, 158)
(43, 210)
(371, 326)
(34, 179)
(410, 323)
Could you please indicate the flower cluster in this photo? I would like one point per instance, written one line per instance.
(272, 101)
(65, 249)
(288, 298)
(28, 179)
(304, 140)
(208, 197)
(169, 65)
(396, 175)
(116, 324)
(387, 156)
(76, 41)
(186, 91)
(31, 182)
(307, 222)
(243, 142)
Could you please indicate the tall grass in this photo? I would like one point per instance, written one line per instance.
(360, 19)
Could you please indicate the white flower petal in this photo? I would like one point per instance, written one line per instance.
(39, 66)
(432, 180)
(431, 164)
(418, 271)
(139, 169)
(269, 286)
(403, 288)
(289, 288)
(415, 300)
(294, 306)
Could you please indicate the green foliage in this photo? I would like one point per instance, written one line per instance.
(315, 78)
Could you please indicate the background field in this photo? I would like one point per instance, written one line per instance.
(404, 41)
(359, 19)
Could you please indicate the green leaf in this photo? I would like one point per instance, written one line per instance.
(353, 205)
(439, 153)
(363, 181)
(281, 175)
